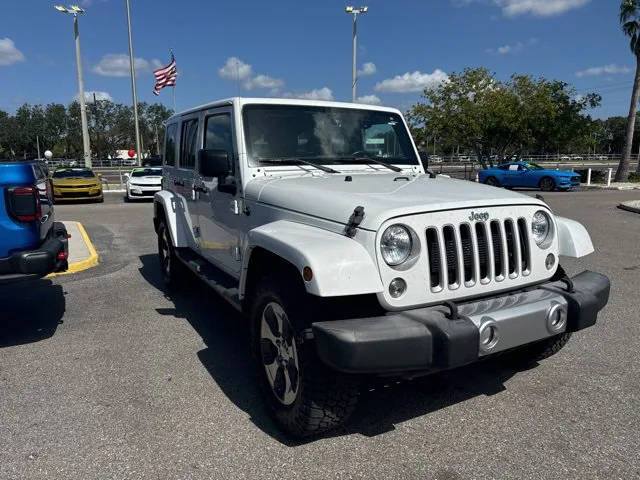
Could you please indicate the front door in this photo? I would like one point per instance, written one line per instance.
(220, 212)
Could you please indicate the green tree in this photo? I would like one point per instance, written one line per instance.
(499, 119)
(630, 21)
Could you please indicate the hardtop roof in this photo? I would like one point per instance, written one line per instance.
(241, 101)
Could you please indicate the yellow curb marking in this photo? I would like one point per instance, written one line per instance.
(89, 262)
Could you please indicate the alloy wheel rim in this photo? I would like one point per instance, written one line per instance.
(279, 353)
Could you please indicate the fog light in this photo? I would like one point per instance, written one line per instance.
(488, 336)
(556, 318)
(550, 261)
(397, 287)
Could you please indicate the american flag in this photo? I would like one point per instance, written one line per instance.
(165, 76)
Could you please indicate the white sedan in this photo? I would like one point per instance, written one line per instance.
(143, 183)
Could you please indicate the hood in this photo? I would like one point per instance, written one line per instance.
(383, 196)
(148, 180)
(61, 182)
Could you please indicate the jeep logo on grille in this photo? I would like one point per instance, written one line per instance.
(479, 217)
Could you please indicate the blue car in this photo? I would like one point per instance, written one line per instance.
(32, 244)
(529, 175)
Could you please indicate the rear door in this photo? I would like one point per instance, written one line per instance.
(174, 181)
(186, 174)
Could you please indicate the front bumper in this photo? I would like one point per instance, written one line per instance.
(60, 193)
(427, 339)
(40, 261)
(147, 191)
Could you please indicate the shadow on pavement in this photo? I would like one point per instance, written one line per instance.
(31, 311)
(381, 407)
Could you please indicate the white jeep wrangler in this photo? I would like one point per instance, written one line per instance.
(318, 221)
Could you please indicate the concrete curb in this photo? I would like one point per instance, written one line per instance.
(629, 208)
(592, 187)
(90, 261)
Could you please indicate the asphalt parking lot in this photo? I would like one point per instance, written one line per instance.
(104, 376)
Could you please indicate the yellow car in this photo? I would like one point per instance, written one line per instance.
(76, 184)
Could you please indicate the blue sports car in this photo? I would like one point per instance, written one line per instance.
(525, 174)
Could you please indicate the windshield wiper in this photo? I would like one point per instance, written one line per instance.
(297, 160)
(362, 158)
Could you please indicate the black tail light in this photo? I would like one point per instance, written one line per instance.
(23, 203)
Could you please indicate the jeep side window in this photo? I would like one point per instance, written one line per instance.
(188, 141)
(170, 145)
(218, 135)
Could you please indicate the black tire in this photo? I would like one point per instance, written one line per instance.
(539, 351)
(547, 184)
(323, 398)
(173, 271)
(492, 182)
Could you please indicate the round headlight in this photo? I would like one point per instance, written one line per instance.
(540, 227)
(396, 245)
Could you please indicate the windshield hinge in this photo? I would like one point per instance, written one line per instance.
(354, 221)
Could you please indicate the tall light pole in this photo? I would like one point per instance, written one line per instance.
(355, 12)
(75, 11)
(133, 87)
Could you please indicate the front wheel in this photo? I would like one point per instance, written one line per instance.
(547, 184)
(304, 395)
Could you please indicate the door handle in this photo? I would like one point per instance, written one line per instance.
(178, 183)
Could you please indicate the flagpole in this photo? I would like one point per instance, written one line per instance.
(133, 88)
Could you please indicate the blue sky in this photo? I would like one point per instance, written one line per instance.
(303, 48)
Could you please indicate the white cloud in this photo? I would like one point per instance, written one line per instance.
(542, 8)
(235, 69)
(88, 96)
(368, 68)
(323, 93)
(263, 81)
(412, 82)
(9, 54)
(514, 48)
(611, 69)
(369, 100)
(117, 65)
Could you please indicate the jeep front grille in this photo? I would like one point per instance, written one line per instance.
(463, 255)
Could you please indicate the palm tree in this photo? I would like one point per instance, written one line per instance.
(630, 21)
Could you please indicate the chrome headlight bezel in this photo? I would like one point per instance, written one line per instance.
(542, 229)
(397, 237)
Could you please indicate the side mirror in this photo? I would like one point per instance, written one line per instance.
(214, 163)
(126, 176)
(424, 158)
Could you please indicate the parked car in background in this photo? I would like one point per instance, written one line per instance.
(32, 244)
(528, 175)
(77, 184)
(143, 182)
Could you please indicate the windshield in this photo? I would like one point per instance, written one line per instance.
(325, 135)
(73, 172)
(146, 172)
